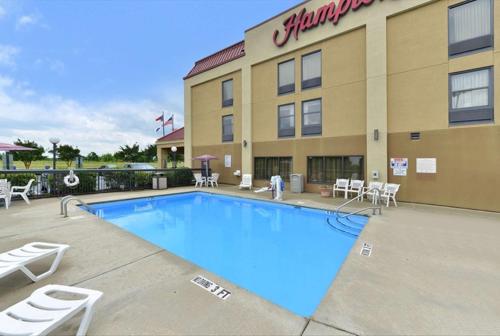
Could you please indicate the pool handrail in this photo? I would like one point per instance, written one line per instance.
(376, 198)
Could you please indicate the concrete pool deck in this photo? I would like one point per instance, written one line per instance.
(433, 270)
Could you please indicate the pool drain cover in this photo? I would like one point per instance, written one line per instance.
(366, 250)
(211, 287)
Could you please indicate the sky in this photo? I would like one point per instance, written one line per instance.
(96, 73)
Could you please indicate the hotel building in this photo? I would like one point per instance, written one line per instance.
(398, 91)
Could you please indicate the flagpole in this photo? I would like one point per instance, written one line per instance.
(163, 122)
(172, 122)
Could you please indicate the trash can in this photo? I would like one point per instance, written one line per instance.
(159, 181)
(297, 183)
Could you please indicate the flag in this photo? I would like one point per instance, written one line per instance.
(169, 121)
(160, 118)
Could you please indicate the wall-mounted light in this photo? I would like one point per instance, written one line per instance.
(375, 134)
(244, 143)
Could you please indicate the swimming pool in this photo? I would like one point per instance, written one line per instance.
(286, 254)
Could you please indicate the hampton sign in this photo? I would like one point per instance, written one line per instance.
(304, 20)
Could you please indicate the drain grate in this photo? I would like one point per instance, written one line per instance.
(366, 250)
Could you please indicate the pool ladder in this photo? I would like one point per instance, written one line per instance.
(349, 226)
(65, 201)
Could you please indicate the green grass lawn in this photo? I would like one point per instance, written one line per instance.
(86, 164)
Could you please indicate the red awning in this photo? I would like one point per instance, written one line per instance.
(13, 148)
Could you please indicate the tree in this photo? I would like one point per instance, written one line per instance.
(128, 153)
(108, 157)
(28, 156)
(92, 156)
(68, 154)
(149, 153)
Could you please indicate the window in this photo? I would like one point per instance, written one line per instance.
(311, 70)
(471, 96)
(326, 169)
(286, 120)
(227, 128)
(265, 167)
(470, 26)
(286, 77)
(311, 117)
(227, 93)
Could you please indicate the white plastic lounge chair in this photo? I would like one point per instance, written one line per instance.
(5, 193)
(356, 187)
(341, 185)
(390, 191)
(370, 192)
(40, 313)
(246, 181)
(22, 191)
(200, 180)
(18, 259)
(213, 180)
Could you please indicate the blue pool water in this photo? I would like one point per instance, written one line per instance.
(288, 255)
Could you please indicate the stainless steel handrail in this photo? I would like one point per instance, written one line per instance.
(376, 199)
(65, 201)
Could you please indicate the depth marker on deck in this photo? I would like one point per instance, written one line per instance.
(366, 250)
(211, 287)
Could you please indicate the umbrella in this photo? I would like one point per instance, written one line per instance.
(13, 148)
(205, 158)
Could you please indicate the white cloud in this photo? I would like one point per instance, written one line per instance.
(53, 65)
(3, 12)
(101, 128)
(26, 21)
(7, 53)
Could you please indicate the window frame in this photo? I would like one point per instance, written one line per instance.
(314, 82)
(228, 138)
(480, 114)
(323, 169)
(266, 176)
(286, 89)
(227, 102)
(475, 44)
(289, 132)
(314, 129)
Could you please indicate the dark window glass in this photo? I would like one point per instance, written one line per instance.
(227, 128)
(326, 169)
(265, 167)
(470, 26)
(311, 117)
(286, 77)
(471, 96)
(286, 120)
(227, 93)
(311, 70)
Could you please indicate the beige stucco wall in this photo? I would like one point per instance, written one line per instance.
(385, 67)
(342, 91)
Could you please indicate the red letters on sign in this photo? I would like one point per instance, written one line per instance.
(307, 20)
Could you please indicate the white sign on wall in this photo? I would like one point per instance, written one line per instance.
(227, 161)
(426, 165)
(399, 166)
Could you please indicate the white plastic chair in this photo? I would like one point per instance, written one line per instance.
(5, 192)
(213, 180)
(246, 181)
(18, 259)
(22, 191)
(370, 192)
(341, 185)
(356, 187)
(200, 180)
(40, 313)
(390, 191)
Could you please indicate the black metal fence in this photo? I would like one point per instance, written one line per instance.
(50, 183)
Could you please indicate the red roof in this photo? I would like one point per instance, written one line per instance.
(221, 57)
(178, 134)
